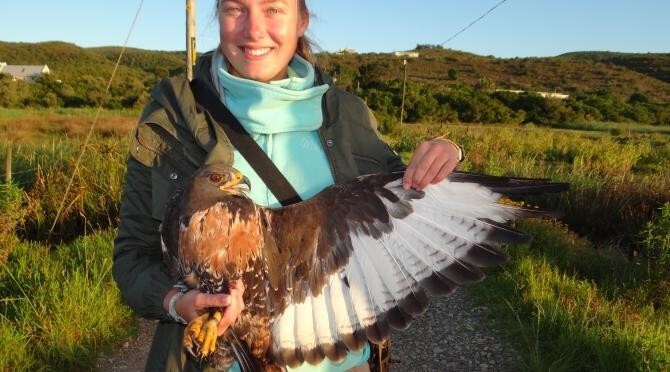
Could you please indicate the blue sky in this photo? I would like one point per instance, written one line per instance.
(516, 28)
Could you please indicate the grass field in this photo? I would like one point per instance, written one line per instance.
(590, 293)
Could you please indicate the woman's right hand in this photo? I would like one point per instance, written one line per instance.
(193, 303)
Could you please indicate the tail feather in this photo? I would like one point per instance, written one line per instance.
(246, 362)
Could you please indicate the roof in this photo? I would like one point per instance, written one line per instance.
(22, 71)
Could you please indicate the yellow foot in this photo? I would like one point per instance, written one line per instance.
(208, 334)
(201, 333)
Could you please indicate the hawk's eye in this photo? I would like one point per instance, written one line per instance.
(215, 177)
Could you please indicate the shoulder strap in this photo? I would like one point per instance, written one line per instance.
(242, 141)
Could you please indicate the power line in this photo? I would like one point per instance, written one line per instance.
(473, 22)
(95, 119)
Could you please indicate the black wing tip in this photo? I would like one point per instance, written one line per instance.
(511, 185)
(483, 255)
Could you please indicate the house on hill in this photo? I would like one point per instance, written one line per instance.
(542, 94)
(346, 51)
(406, 54)
(27, 73)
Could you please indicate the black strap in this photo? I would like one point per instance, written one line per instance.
(242, 141)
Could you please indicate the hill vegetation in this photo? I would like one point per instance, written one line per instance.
(443, 85)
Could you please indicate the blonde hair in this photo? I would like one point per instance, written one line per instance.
(304, 47)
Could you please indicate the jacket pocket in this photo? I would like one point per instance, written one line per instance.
(170, 168)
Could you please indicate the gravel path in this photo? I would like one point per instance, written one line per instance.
(454, 335)
(132, 355)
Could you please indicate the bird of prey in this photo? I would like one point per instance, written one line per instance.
(325, 275)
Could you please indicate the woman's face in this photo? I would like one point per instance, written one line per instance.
(259, 37)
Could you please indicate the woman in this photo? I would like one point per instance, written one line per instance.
(315, 133)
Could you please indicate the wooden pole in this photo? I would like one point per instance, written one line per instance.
(190, 38)
(404, 82)
(8, 164)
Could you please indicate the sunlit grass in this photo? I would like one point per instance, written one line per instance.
(564, 317)
(615, 128)
(47, 126)
(44, 170)
(59, 307)
(87, 112)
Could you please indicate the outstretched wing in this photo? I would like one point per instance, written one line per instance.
(364, 256)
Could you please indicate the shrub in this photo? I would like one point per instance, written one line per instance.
(655, 250)
(11, 215)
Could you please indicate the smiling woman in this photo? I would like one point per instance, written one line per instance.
(258, 39)
(313, 132)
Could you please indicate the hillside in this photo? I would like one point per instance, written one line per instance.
(622, 74)
(156, 62)
(66, 61)
(79, 75)
(651, 64)
(443, 85)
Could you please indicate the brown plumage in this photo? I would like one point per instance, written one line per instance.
(325, 275)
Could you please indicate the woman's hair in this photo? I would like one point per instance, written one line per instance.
(304, 47)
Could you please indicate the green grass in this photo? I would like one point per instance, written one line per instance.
(44, 170)
(569, 307)
(615, 128)
(59, 307)
(87, 112)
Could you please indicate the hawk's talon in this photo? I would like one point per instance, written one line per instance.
(208, 334)
(191, 333)
(201, 333)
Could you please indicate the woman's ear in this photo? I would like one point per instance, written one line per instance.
(303, 23)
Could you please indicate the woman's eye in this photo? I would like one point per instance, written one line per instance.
(273, 10)
(216, 178)
(232, 10)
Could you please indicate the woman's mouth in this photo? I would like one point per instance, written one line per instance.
(256, 52)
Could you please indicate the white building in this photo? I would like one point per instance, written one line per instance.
(542, 94)
(28, 73)
(346, 51)
(406, 54)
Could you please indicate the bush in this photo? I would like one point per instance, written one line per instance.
(655, 251)
(11, 215)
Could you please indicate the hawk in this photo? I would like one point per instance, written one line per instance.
(325, 275)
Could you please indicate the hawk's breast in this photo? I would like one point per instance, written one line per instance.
(222, 240)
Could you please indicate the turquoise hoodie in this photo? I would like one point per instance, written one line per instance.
(282, 117)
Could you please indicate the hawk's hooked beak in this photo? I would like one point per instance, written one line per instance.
(237, 181)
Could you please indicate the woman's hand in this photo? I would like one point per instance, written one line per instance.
(194, 303)
(431, 162)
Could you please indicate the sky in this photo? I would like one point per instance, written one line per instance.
(517, 28)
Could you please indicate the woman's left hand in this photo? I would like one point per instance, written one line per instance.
(431, 162)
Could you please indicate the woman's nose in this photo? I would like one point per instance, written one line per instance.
(255, 25)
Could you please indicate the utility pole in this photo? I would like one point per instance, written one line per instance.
(190, 38)
(404, 84)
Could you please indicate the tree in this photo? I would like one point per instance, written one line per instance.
(346, 76)
(453, 74)
(371, 74)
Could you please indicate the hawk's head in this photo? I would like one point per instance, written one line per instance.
(217, 180)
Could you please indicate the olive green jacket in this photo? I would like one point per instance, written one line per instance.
(169, 143)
